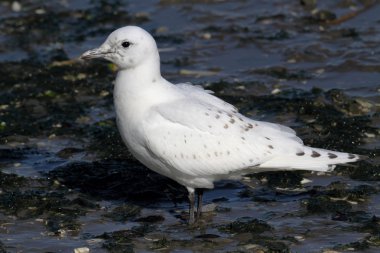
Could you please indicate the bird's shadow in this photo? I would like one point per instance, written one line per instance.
(126, 181)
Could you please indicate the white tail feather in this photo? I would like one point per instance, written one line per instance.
(314, 159)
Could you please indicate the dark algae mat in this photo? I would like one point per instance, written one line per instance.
(68, 182)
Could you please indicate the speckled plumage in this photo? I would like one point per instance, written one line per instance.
(185, 133)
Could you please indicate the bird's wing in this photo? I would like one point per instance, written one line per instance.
(197, 92)
(202, 138)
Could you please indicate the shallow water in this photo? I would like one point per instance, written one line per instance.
(67, 181)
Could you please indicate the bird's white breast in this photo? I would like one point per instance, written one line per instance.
(133, 99)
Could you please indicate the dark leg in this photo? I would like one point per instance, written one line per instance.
(192, 202)
(200, 200)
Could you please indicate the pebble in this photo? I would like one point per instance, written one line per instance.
(52, 136)
(4, 107)
(16, 6)
(306, 181)
(240, 87)
(104, 93)
(254, 248)
(320, 71)
(58, 125)
(275, 91)
(299, 238)
(369, 135)
(82, 250)
(206, 36)
(40, 11)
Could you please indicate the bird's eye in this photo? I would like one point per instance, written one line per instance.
(125, 44)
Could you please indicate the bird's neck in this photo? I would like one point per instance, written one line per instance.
(136, 91)
(146, 74)
(141, 85)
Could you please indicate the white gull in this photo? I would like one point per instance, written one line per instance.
(187, 134)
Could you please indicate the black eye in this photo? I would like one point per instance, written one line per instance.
(125, 44)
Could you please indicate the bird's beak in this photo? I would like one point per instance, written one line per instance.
(100, 52)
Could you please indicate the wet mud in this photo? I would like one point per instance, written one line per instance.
(67, 182)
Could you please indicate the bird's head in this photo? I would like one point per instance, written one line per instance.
(127, 47)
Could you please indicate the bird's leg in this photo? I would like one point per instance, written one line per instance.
(192, 202)
(200, 202)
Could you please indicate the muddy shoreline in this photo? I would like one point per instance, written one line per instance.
(67, 181)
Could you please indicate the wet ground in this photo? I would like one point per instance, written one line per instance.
(68, 182)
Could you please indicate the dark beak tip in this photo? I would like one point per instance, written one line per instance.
(87, 55)
(91, 54)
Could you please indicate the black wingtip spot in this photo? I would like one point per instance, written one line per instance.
(300, 153)
(270, 146)
(351, 156)
(332, 156)
(315, 154)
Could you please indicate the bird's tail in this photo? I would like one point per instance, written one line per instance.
(314, 159)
